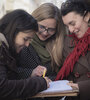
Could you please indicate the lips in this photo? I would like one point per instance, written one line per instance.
(77, 32)
(44, 36)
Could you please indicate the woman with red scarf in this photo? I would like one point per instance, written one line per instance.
(76, 52)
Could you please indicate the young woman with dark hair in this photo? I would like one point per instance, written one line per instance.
(16, 31)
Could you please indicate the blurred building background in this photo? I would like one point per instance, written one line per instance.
(28, 5)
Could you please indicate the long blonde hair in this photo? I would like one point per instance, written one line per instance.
(55, 44)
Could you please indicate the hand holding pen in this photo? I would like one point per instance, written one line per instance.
(38, 71)
(41, 71)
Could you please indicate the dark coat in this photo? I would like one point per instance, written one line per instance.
(29, 60)
(11, 88)
(81, 71)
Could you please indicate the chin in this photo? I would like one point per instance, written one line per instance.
(79, 37)
(42, 39)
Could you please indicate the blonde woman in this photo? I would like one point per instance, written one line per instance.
(45, 50)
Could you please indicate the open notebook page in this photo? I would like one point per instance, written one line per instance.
(58, 86)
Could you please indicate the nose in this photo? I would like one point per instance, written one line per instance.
(71, 29)
(45, 32)
(27, 43)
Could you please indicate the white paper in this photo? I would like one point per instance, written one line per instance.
(58, 86)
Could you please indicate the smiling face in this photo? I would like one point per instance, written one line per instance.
(76, 23)
(47, 28)
(23, 39)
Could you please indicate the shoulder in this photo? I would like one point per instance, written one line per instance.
(3, 53)
(68, 45)
(1, 50)
(31, 48)
(28, 57)
(29, 51)
(0, 44)
(67, 40)
(3, 47)
(3, 39)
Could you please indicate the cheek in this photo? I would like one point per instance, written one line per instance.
(19, 42)
(78, 25)
(39, 35)
(50, 35)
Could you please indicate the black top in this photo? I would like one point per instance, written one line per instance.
(28, 60)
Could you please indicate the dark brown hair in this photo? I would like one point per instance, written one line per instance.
(14, 22)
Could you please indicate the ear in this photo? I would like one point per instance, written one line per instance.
(87, 17)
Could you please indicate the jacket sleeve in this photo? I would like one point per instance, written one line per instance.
(84, 86)
(84, 89)
(12, 89)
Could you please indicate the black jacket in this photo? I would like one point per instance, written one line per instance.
(11, 88)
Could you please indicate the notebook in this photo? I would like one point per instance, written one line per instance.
(58, 86)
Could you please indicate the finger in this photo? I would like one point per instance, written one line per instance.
(42, 67)
(43, 71)
(50, 80)
(39, 74)
(48, 85)
(74, 86)
(70, 81)
(69, 84)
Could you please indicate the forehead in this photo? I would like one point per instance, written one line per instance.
(25, 34)
(72, 16)
(51, 22)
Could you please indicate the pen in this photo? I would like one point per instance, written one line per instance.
(44, 72)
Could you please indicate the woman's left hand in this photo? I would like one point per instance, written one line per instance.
(73, 85)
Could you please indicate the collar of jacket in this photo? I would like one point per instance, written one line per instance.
(2, 38)
(70, 43)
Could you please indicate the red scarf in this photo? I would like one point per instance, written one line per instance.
(81, 48)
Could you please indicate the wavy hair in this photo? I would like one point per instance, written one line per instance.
(55, 43)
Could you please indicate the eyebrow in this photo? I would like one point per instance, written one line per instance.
(29, 37)
(47, 27)
(70, 22)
